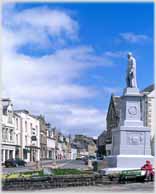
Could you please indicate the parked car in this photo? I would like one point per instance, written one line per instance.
(20, 162)
(80, 158)
(14, 162)
(100, 158)
(92, 158)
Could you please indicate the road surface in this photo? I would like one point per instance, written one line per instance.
(77, 164)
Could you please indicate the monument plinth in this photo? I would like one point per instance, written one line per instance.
(131, 140)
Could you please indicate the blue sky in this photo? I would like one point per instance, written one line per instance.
(64, 60)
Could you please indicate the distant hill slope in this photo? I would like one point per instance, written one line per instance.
(84, 142)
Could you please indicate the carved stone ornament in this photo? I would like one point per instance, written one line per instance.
(135, 139)
(132, 110)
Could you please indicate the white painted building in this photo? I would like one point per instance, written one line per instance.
(18, 136)
(30, 137)
(21, 133)
(51, 145)
(8, 131)
(73, 153)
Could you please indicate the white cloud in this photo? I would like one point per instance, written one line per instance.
(39, 25)
(134, 38)
(112, 90)
(116, 54)
(47, 84)
(70, 118)
(51, 93)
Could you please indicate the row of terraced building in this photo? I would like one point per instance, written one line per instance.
(30, 137)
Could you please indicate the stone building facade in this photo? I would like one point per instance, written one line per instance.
(112, 120)
(101, 143)
(43, 138)
(149, 111)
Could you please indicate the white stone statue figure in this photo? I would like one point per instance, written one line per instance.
(131, 72)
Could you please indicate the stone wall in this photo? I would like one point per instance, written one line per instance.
(48, 182)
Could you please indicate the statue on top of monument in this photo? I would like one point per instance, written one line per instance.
(131, 72)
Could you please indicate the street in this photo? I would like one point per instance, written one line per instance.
(77, 164)
(137, 187)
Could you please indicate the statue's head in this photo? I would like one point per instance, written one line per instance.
(129, 54)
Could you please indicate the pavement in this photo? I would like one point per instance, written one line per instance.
(116, 188)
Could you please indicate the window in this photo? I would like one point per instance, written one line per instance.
(36, 130)
(26, 140)
(52, 134)
(31, 128)
(2, 154)
(6, 154)
(3, 134)
(6, 134)
(10, 154)
(16, 139)
(26, 127)
(24, 154)
(33, 132)
(11, 134)
(16, 123)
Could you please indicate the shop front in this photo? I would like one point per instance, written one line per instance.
(7, 152)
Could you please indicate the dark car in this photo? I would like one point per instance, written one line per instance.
(14, 162)
(20, 162)
(10, 163)
(92, 158)
(100, 158)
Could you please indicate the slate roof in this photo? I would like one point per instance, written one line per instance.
(23, 110)
(117, 103)
(149, 89)
(27, 112)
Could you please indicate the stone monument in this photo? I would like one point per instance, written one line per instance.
(131, 140)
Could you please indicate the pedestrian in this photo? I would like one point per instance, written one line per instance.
(149, 174)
